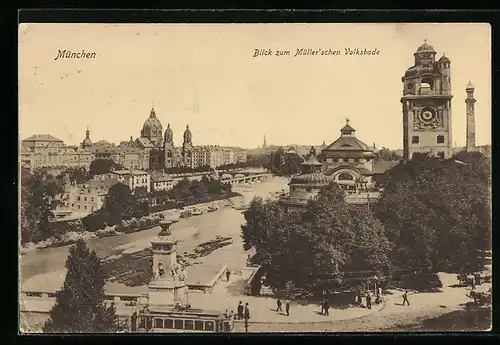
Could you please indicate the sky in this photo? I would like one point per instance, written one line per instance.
(205, 76)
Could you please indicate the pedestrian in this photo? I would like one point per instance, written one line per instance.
(247, 312)
(327, 307)
(287, 308)
(220, 322)
(226, 314)
(405, 298)
(278, 303)
(322, 307)
(231, 314)
(246, 325)
(369, 300)
(228, 275)
(240, 311)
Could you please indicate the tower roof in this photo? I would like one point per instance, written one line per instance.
(87, 141)
(425, 48)
(444, 59)
(347, 142)
(469, 86)
(347, 129)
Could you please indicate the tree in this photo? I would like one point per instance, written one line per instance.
(388, 155)
(318, 248)
(119, 203)
(38, 198)
(76, 175)
(80, 305)
(103, 166)
(437, 213)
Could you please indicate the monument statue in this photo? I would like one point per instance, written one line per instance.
(165, 228)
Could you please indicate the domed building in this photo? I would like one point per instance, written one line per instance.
(352, 164)
(162, 152)
(152, 129)
(87, 143)
(305, 185)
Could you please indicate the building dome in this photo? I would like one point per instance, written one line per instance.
(310, 179)
(426, 48)
(152, 126)
(87, 142)
(187, 135)
(469, 86)
(444, 59)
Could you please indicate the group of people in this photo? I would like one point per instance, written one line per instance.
(287, 306)
(243, 312)
(378, 298)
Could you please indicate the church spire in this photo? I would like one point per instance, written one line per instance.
(87, 133)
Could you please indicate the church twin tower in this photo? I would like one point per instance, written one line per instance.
(152, 137)
(426, 103)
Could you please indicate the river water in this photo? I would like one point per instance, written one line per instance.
(44, 269)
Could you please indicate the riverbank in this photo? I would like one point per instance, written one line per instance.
(46, 268)
(174, 213)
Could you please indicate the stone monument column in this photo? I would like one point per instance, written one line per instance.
(164, 248)
(168, 286)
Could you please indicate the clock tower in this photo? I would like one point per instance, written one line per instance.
(427, 105)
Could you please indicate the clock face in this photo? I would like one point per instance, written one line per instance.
(428, 115)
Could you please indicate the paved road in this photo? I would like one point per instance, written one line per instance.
(423, 306)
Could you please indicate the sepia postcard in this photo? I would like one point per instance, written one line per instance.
(219, 178)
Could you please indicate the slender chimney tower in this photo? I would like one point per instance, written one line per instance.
(471, 122)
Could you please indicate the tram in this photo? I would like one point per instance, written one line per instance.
(180, 322)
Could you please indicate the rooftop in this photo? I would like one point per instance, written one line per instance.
(42, 137)
(130, 172)
(380, 167)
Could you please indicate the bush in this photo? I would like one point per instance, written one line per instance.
(422, 282)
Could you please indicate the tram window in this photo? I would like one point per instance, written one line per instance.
(227, 327)
(159, 323)
(209, 326)
(188, 324)
(198, 325)
(179, 324)
(169, 323)
(142, 324)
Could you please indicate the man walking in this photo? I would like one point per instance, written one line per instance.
(228, 274)
(247, 316)
(327, 307)
(247, 312)
(278, 303)
(369, 300)
(240, 311)
(405, 298)
(287, 308)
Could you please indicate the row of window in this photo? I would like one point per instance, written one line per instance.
(350, 160)
(191, 325)
(84, 207)
(439, 139)
(84, 198)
